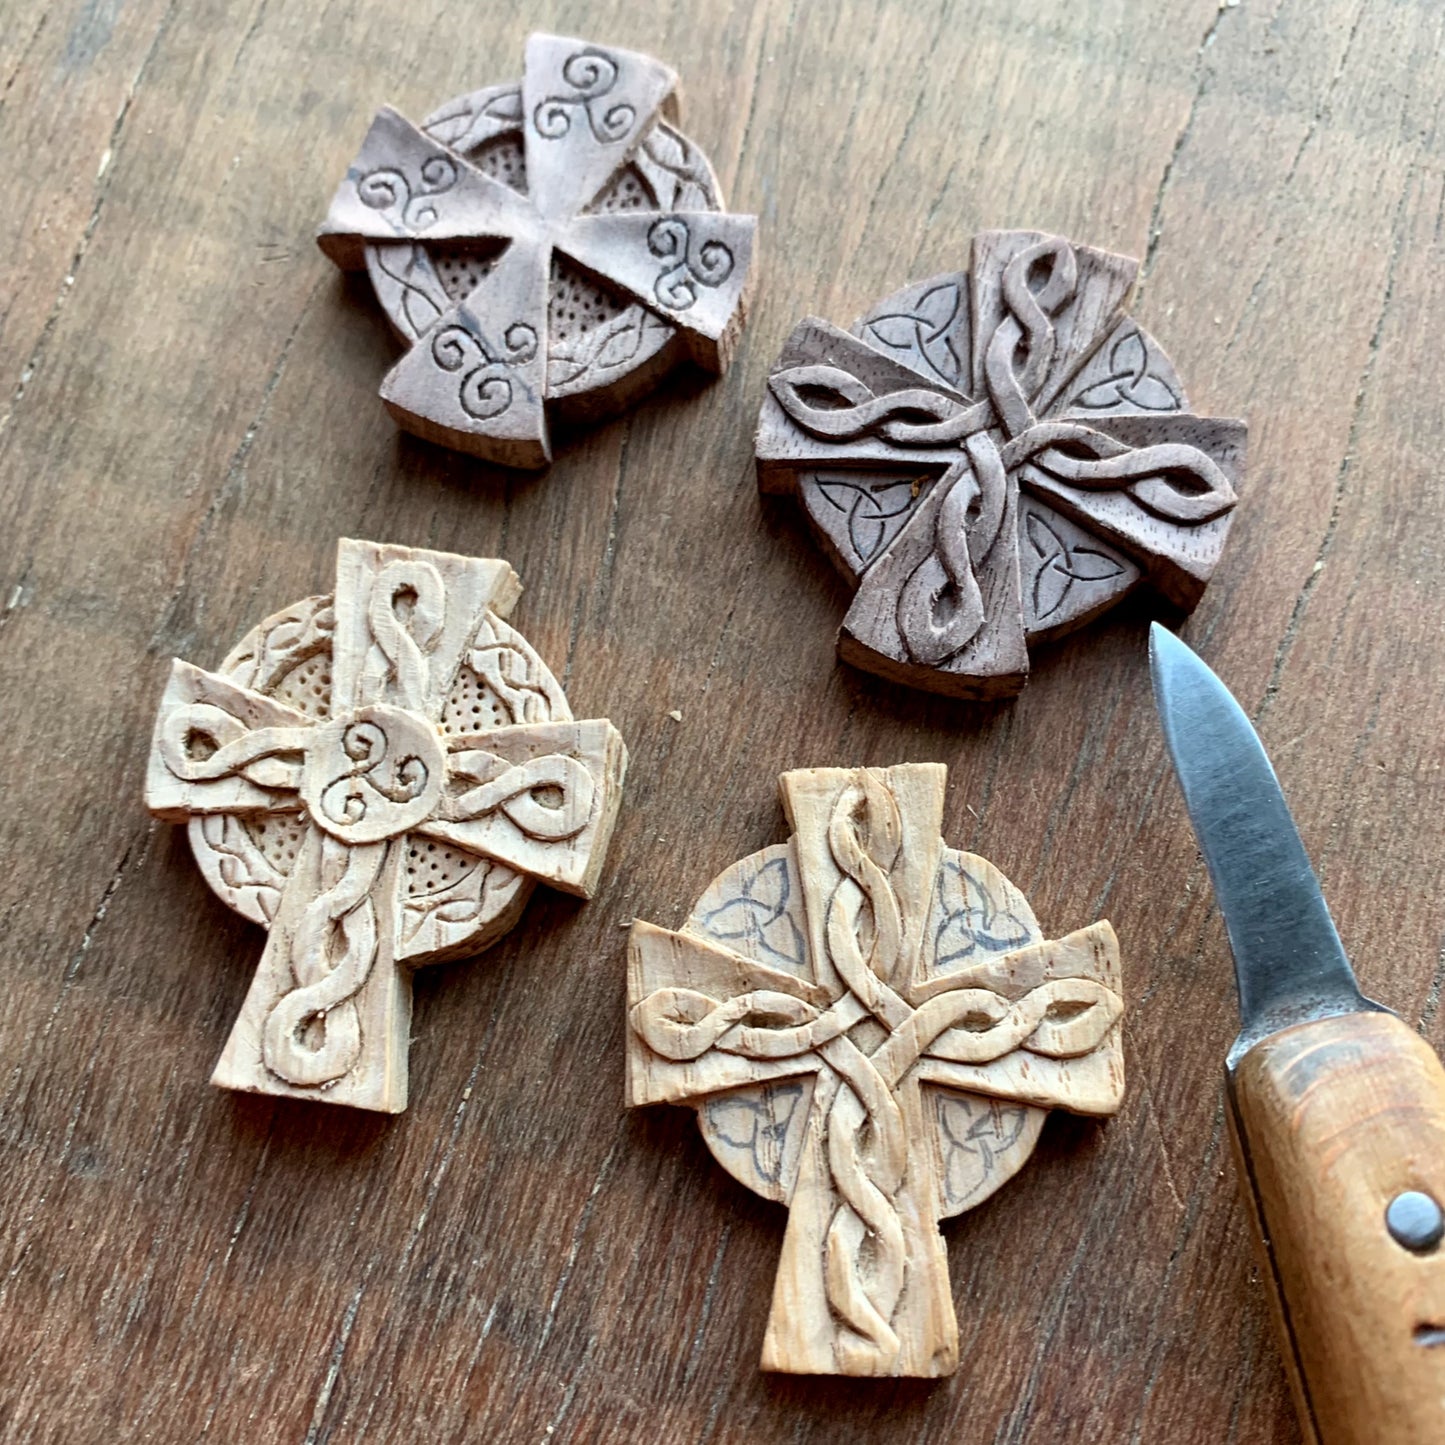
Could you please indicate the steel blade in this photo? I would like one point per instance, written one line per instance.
(1289, 963)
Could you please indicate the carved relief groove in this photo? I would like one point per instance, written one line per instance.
(591, 74)
(486, 382)
(413, 203)
(694, 264)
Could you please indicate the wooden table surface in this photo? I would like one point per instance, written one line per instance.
(188, 420)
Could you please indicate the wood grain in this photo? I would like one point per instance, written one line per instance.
(188, 420)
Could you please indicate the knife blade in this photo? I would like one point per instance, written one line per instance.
(1336, 1107)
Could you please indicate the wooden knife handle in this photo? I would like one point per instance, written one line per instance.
(1333, 1121)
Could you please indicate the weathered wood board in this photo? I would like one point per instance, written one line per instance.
(188, 422)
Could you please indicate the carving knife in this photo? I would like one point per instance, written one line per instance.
(1336, 1106)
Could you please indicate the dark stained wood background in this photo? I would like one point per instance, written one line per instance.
(188, 420)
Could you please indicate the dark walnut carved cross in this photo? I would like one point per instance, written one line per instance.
(872, 1030)
(995, 458)
(577, 173)
(378, 777)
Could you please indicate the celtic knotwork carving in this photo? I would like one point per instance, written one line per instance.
(872, 1020)
(1025, 365)
(418, 299)
(611, 348)
(237, 868)
(1174, 482)
(940, 607)
(1062, 565)
(678, 171)
(973, 923)
(394, 758)
(828, 402)
(541, 241)
(524, 690)
(757, 1126)
(924, 335)
(868, 507)
(693, 264)
(591, 75)
(969, 1025)
(312, 1036)
(282, 642)
(978, 1134)
(471, 120)
(758, 916)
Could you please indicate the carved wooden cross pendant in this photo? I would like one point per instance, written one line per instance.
(871, 1029)
(378, 777)
(576, 167)
(995, 458)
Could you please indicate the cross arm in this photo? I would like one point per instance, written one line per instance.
(404, 617)
(1041, 305)
(703, 1019)
(834, 401)
(477, 378)
(1161, 488)
(1039, 1025)
(691, 267)
(221, 748)
(406, 186)
(585, 110)
(539, 797)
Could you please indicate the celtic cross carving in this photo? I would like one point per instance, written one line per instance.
(995, 458)
(871, 1028)
(549, 245)
(378, 777)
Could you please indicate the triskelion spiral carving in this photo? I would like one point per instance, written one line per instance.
(378, 779)
(902, 1003)
(995, 458)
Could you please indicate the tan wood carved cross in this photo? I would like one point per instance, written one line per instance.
(477, 374)
(871, 1029)
(378, 777)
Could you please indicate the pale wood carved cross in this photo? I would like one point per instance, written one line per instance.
(995, 457)
(477, 375)
(871, 1029)
(378, 777)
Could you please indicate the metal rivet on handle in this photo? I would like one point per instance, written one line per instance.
(1415, 1221)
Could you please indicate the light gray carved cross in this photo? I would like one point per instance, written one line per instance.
(378, 777)
(994, 457)
(477, 377)
(849, 1011)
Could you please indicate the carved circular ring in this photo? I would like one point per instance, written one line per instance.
(995, 457)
